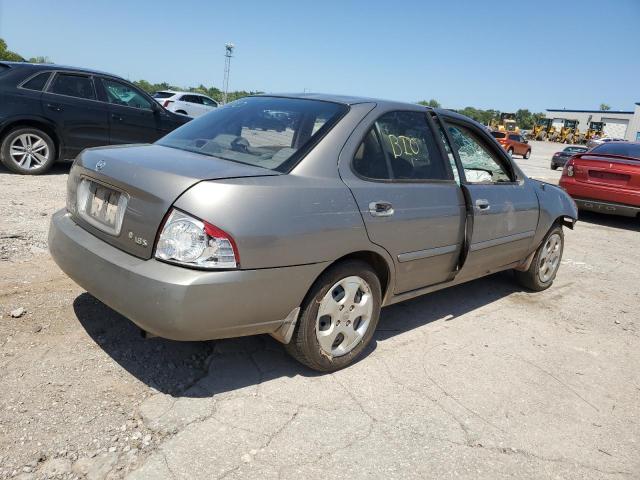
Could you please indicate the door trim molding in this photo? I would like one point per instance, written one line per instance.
(501, 240)
(431, 252)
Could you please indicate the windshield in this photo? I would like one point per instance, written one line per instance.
(266, 132)
(619, 148)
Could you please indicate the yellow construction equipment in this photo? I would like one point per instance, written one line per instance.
(507, 123)
(595, 130)
(568, 131)
(541, 129)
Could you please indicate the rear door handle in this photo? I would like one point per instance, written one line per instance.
(381, 209)
(54, 106)
(482, 204)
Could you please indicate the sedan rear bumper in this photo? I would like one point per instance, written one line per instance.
(175, 302)
(607, 207)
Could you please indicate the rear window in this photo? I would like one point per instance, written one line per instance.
(38, 82)
(575, 149)
(619, 148)
(163, 95)
(498, 134)
(267, 132)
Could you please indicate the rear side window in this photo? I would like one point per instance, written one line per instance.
(408, 147)
(73, 86)
(498, 134)
(162, 95)
(38, 82)
(369, 160)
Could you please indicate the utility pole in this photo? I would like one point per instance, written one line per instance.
(227, 67)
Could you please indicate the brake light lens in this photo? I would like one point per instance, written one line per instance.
(166, 103)
(568, 169)
(188, 241)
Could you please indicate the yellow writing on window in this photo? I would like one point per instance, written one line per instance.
(404, 145)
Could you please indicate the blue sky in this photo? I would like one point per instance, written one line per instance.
(487, 54)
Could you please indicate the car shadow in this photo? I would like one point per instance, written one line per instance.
(204, 369)
(612, 221)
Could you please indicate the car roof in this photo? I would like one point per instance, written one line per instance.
(343, 99)
(55, 66)
(179, 92)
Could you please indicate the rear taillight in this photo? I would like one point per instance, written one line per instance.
(568, 169)
(185, 240)
(166, 103)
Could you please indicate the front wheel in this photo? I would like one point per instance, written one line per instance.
(28, 151)
(554, 166)
(527, 154)
(510, 152)
(545, 264)
(338, 318)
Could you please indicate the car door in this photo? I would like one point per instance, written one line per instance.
(407, 196)
(504, 206)
(133, 117)
(70, 101)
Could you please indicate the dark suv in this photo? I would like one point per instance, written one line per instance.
(50, 113)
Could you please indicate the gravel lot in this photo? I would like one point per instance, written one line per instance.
(480, 381)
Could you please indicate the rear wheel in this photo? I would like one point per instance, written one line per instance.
(554, 166)
(28, 151)
(545, 264)
(338, 318)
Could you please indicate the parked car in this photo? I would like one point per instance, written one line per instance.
(513, 143)
(560, 158)
(185, 103)
(594, 142)
(605, 179)
(50, 113)
(220, 230)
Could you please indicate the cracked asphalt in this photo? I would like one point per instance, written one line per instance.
(481, 381)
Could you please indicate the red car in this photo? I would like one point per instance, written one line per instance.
(605, 179)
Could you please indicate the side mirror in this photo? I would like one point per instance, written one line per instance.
(526, 141)
(155, 106)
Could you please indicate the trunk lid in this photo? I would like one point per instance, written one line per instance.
(607, 170)
(151, 178)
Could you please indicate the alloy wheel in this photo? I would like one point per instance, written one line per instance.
(344, 315)
(549, 259)
(29, 151)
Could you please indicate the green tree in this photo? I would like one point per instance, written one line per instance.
(431, 103)
(8, 55)
(40, 60)
(604, 106)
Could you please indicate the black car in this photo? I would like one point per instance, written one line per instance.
(560, 158)
(50, 113)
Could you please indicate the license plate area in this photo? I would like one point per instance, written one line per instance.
(101, 206)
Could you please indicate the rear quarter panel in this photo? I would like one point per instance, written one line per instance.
(283, 220)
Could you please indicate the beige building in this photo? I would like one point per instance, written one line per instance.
(617, 124)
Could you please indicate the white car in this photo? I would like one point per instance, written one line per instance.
(186, 103)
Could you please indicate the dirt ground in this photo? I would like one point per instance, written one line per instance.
(480, 381)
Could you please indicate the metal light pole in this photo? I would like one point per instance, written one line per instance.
(227, 67)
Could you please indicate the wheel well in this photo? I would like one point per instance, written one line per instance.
(565, 221)
(181, 111)
(34, 124)
(376, 261)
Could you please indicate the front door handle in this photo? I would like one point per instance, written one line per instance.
(482, 204)
(54, 106)
(381, 209)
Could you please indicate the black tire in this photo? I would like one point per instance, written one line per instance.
(531, 278)
(304, 345)
(13, 165)
(510, 152)
(554, 166)
(527, 154)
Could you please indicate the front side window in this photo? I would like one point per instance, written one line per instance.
(73, 85)
(515, 138)
(479, 163)
(267, 132)
(408, 147)
(120, 93)
(38, 82)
